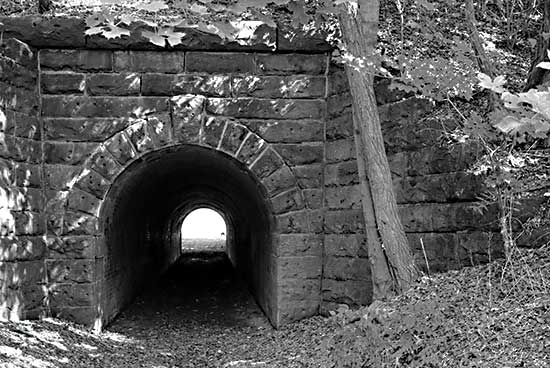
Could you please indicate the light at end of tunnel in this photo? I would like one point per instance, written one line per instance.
(203, 223)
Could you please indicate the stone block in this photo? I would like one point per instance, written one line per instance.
(160, 129)
(345, 268)
(266, 109)
(344, 222)
(140, 137)
(120, 147)
(59, 177)
(55, 202)
(8, 127)
(399, 163)
(27, 175)
(234, 136)
(91, 182)
(18, 51)
(339, 105)
(27, 126)
(18, 99)
(385, 94)
(279, 181)
(67, 153)
(72, 247)
(340, 127)
(287, 131)
(350, 292)
(22, 248)
(268, 163)
(304, 221)
(187, 113)
(18, 274)
(24, 150)
(76, 60)
(29, 199)
(448, 187)
(17, 75)
(219, 62)
(340, 150)
(439, 248)
(29, 223)
(291, 245)
(212, 131)
(337, 79)
(309, 176)
(348, 197)
(80, 224)
(72, 295)
(341, 173)
(291, 200)
(86, 316)
(303, 267)
(300, 154)
(313, 198)
(299, 289)
(71, 270)
(149, 61)
(251, 149)
(83, 129)
(155, 84)
(79, 200)
(102, 107)
(478, 247)
(346, 245)
(290, 38)
(62, 83)
(281, 64)
(296, 310)
(279, 86)
(104, 164)
(113, 84)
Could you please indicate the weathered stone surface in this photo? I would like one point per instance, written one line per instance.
(303, 267)
(344, 268)
(267, 164)
(350, 292)
(251, 149)
(113, 84)
(76, 60)
(313, 198)
(102, 107)
(18, 99)
(91, 182)
(148, 61)
(40, 31)
(29, 223)
(293, 39)
(120, 147)
(340, 127)
(18, 51)
(344, 222)
(72, 247)
(79, 200)
(280, 64)
(72, 295)
(299, 245)
(477, 247)
(337, 79)
(26, 175)
(436, 159)
(156, 84)
(442, 187)
(62, 83)
(346, 245)
(300, 154)
(219, 62)
(140, 137)
(21, 150)
(234, 136)
(16, 75)
(187, 112)
(348, 197)
(80, 224)
(71, 270)
(212, 131)
(27, 126)
(67, 153)
(338, 105)
(22, 248)
(160, 129)
(266, 109)
(287, 131)
(340, 150)
(103, 163)
(22, 273)
(294, 310)
(82, 315)
(304, 221)
(279, 181)
(341, 173)
(291, 200)
(279, 86)
(309, 176)
(83, 129)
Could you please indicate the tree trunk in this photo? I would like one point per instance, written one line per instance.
(392, 262)
(536, 75)
(485, 66)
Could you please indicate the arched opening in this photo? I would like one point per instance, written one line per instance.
(203, 230)
(146, 206)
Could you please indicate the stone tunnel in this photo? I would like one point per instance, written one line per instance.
(108, 144)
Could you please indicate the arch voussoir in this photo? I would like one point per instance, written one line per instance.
(187, 118)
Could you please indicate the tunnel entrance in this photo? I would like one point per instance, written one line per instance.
(147, 205)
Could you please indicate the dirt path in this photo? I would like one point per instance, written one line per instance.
(198, 315)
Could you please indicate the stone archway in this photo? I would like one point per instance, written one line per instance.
(135, 182)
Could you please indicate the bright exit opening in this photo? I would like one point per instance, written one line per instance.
(203, 230)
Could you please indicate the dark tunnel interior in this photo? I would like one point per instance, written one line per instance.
(143, 212)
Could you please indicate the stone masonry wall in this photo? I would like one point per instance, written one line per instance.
(434, 192)
(22, 226)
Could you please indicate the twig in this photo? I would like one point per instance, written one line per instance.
(425, 256)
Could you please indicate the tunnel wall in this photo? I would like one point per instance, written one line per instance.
(22, 227)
